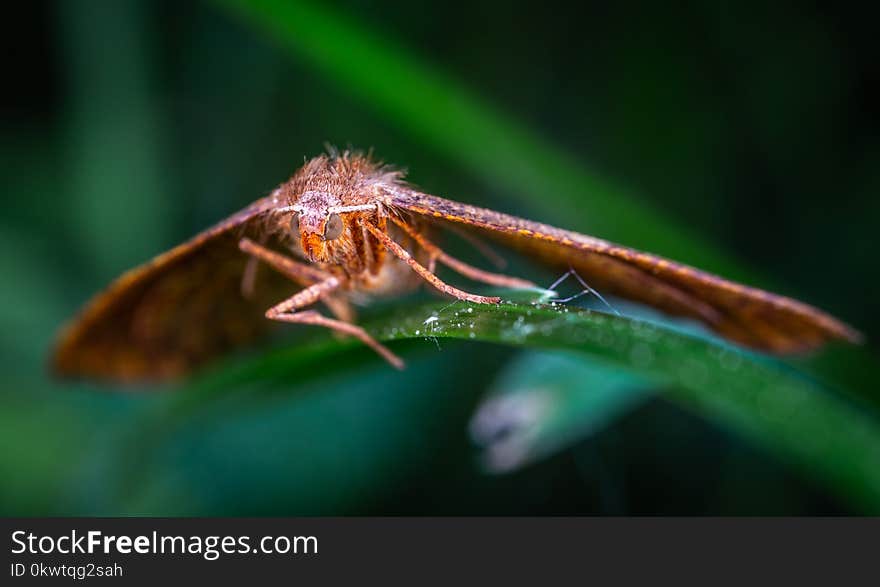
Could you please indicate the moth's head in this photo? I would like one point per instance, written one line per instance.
(316, 226)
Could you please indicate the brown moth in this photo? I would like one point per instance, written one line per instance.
(345, 229)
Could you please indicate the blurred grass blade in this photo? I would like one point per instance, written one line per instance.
(543, 402)
(441, 112)
(103, 198)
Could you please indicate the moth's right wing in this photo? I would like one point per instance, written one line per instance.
(744, 314)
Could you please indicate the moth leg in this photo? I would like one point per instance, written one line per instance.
(303, 298)
(460, 266)
(249, 278)
(423, 272)
(286, 312)
(298, 273)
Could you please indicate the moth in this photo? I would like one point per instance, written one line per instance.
(345, 229)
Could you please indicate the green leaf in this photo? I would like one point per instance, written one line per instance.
(763, 400)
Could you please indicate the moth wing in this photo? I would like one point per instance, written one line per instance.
(175, 312)
(746, 315)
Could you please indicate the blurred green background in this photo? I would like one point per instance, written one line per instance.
(741, 137)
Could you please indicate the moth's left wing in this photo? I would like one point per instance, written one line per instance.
(744, 314)
(175, 312)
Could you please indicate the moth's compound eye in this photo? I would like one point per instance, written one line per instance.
(294, 224)
(333, 227)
